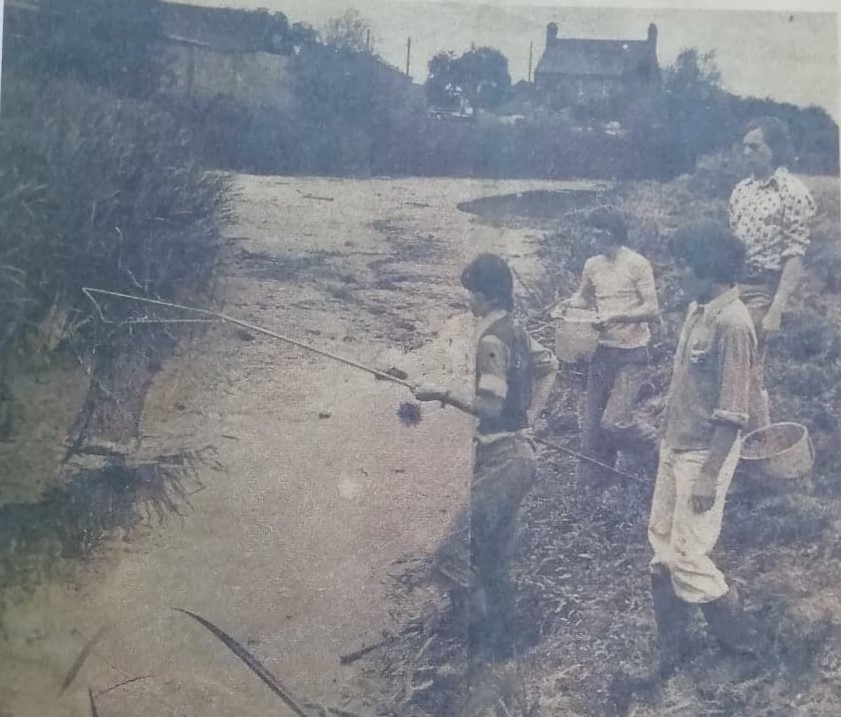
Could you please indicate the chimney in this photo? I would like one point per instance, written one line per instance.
(652, 36)
(551, 34)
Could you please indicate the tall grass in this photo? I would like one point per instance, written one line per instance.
(97, 190)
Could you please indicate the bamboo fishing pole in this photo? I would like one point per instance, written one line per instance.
(383, 375)
(246, 325)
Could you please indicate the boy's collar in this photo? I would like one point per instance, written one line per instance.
(773, 178)
(714, 307)
(483, 323)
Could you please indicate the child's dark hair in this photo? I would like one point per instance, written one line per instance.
(489, 275)
(611, 220)
(710, 250)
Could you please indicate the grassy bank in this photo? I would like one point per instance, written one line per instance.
(586, 622)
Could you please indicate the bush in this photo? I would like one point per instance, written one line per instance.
(101, 192)
(694, 117)
(481, 74)
(717, 174)
(104, 43)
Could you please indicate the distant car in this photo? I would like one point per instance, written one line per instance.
(615, 129)
(452, 113)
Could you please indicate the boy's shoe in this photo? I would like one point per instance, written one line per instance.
(737, 631)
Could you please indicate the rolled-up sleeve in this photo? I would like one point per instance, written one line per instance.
(736, 356)
(493, 359)
(798, 213)
(544, 361)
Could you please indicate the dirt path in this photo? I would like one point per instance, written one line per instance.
(290, 549)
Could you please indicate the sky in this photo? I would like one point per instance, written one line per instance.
(789, 56)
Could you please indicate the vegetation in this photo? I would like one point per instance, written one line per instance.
(481, 74)
(586, 632)
(694, 117)
(101, 186)
(353, 114)
(350, 31)
(772, 531)
(104, 44)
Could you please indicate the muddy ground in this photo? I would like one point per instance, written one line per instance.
(300, 546)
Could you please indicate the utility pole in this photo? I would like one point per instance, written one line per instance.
(2, 4)
(408, 55)
(368, 41)
(531, 50)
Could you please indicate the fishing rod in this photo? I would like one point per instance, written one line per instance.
(382, 375)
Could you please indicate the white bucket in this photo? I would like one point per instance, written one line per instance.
(781, 450)
(576, 336)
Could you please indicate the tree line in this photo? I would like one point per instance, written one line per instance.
(354, 114)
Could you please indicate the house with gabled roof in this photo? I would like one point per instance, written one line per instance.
(574, 72)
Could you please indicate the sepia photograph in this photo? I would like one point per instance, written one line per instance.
(420, 358)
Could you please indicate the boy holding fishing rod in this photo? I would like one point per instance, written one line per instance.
(513, 378)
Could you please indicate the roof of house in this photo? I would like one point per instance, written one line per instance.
(601, 58)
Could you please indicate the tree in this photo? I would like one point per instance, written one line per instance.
(441, 79)
(354, 113)
(302, 35)
(698, 107)
(349, 31)
(103, 43)
(481, 74)
(485, 77)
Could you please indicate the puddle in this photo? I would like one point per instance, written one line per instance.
(538, 204)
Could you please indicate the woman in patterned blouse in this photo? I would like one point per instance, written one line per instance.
(771, 213)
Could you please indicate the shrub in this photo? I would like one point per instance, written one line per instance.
(481, 73)
(107, 44)
(100, 191)
(717, 174)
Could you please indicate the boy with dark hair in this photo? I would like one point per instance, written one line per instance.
(707, 409)
(514, 375)
(618, 284)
